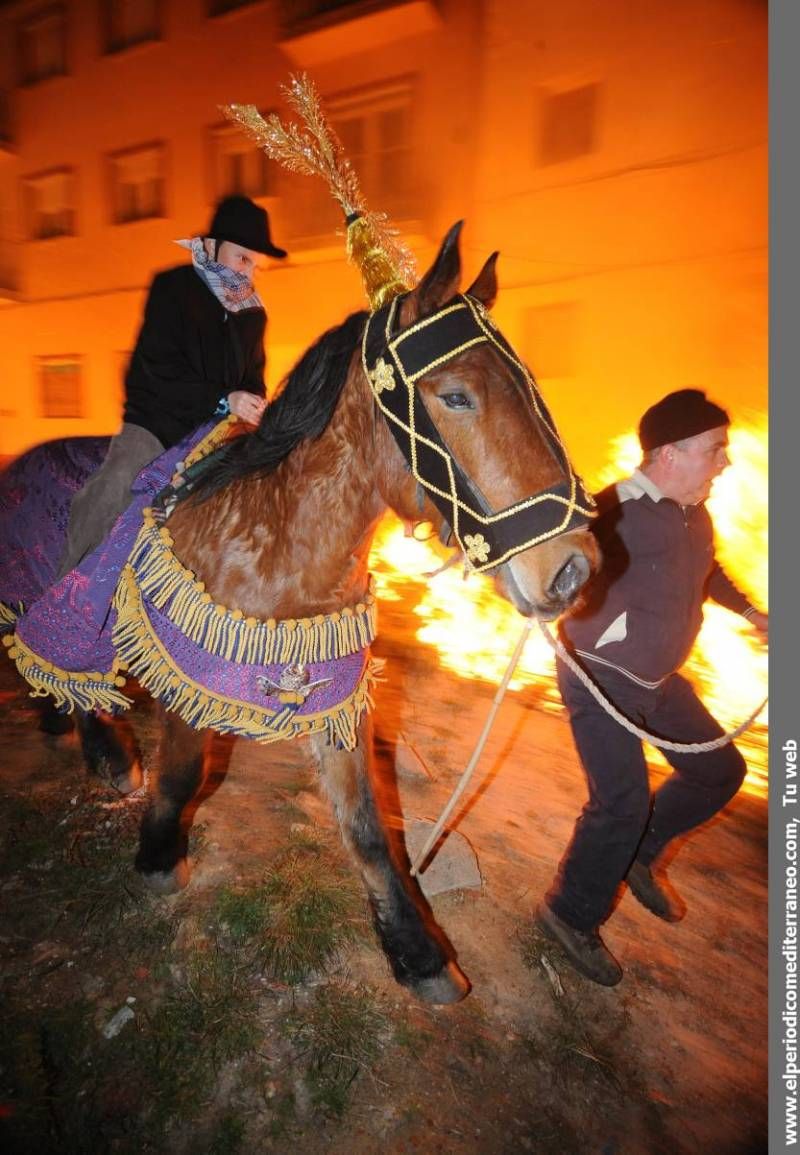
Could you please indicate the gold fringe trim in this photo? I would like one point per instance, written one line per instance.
(212, 440)
(225, 633)
(8, 615)
(84, 691)
(149, 662)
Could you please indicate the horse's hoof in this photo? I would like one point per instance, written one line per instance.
(129, 781)
(451, 985)
(166, 882)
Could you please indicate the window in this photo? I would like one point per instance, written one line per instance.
(60, 386)
(218, 7)
(239, 166)
(295, 13)
(50, 204)
(129, 22)
(43, 45)
(137, 183)
(375, 128)
(569, 124)
(549, 339)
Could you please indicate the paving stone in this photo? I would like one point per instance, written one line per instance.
(455, 865)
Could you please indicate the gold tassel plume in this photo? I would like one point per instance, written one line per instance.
(387, 267)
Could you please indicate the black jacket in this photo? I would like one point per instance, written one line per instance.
(190, 353)
(645, 607)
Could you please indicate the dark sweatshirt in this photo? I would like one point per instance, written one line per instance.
(190, 353)
(645, 607)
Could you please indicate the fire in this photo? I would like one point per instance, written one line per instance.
(474, 630)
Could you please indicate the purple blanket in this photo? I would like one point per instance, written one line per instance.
(68, 625)
(36, 492)
(132, 605)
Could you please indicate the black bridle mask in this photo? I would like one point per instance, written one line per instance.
(393, 363)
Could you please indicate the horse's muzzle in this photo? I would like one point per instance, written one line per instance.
(561, 593)
(569, 580)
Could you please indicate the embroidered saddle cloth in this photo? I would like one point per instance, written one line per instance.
(133, 606)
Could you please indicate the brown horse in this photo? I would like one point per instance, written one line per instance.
(282, 527)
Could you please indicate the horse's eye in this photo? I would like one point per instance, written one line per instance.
(457, 401)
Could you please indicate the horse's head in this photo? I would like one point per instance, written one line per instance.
(478, 441)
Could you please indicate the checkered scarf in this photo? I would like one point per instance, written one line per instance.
(234, 291)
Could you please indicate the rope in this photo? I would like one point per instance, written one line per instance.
(476, 753)
(596, 692)
(662, 743)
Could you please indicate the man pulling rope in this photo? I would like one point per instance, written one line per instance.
(640, 620)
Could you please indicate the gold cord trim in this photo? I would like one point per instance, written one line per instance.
(226, 633)
(570, 503)
(138, 643)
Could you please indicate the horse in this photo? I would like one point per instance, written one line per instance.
(279, 528)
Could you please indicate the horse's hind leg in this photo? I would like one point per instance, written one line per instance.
(416, 952)
(163, 842)
(105, 754)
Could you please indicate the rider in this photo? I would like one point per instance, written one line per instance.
(636, 628)
(200, 352)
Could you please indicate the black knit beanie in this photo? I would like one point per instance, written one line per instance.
(678, 415)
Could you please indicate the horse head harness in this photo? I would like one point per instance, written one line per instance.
(393, 363)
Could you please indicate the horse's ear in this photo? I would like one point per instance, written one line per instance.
(439, 284)
(484, 287)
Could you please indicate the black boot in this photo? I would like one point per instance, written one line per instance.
(655, 893)
(584, 948)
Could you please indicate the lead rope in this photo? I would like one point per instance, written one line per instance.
(662, 743)
(596, 692)
(476, 753)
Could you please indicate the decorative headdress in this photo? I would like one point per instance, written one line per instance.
(386, 266)
(487, 537)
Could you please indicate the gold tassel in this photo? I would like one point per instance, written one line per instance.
(382, 281)
(386, 266)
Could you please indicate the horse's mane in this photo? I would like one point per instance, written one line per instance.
(300, 412)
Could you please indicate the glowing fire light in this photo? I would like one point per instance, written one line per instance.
(474, 630)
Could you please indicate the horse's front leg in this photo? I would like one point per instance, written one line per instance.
(51, 719)
(163, 841)
(105, 754)
(416, 951)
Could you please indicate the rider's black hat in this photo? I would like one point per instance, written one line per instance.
(241, 221)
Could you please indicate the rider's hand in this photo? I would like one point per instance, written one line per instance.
(246, 406)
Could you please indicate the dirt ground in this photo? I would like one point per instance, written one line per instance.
(536, 1058)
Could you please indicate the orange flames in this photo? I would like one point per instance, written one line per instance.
(474, 631)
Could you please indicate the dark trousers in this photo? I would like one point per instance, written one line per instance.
(621, 821)
(107, 493)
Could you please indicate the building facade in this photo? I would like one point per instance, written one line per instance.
(614, 153)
